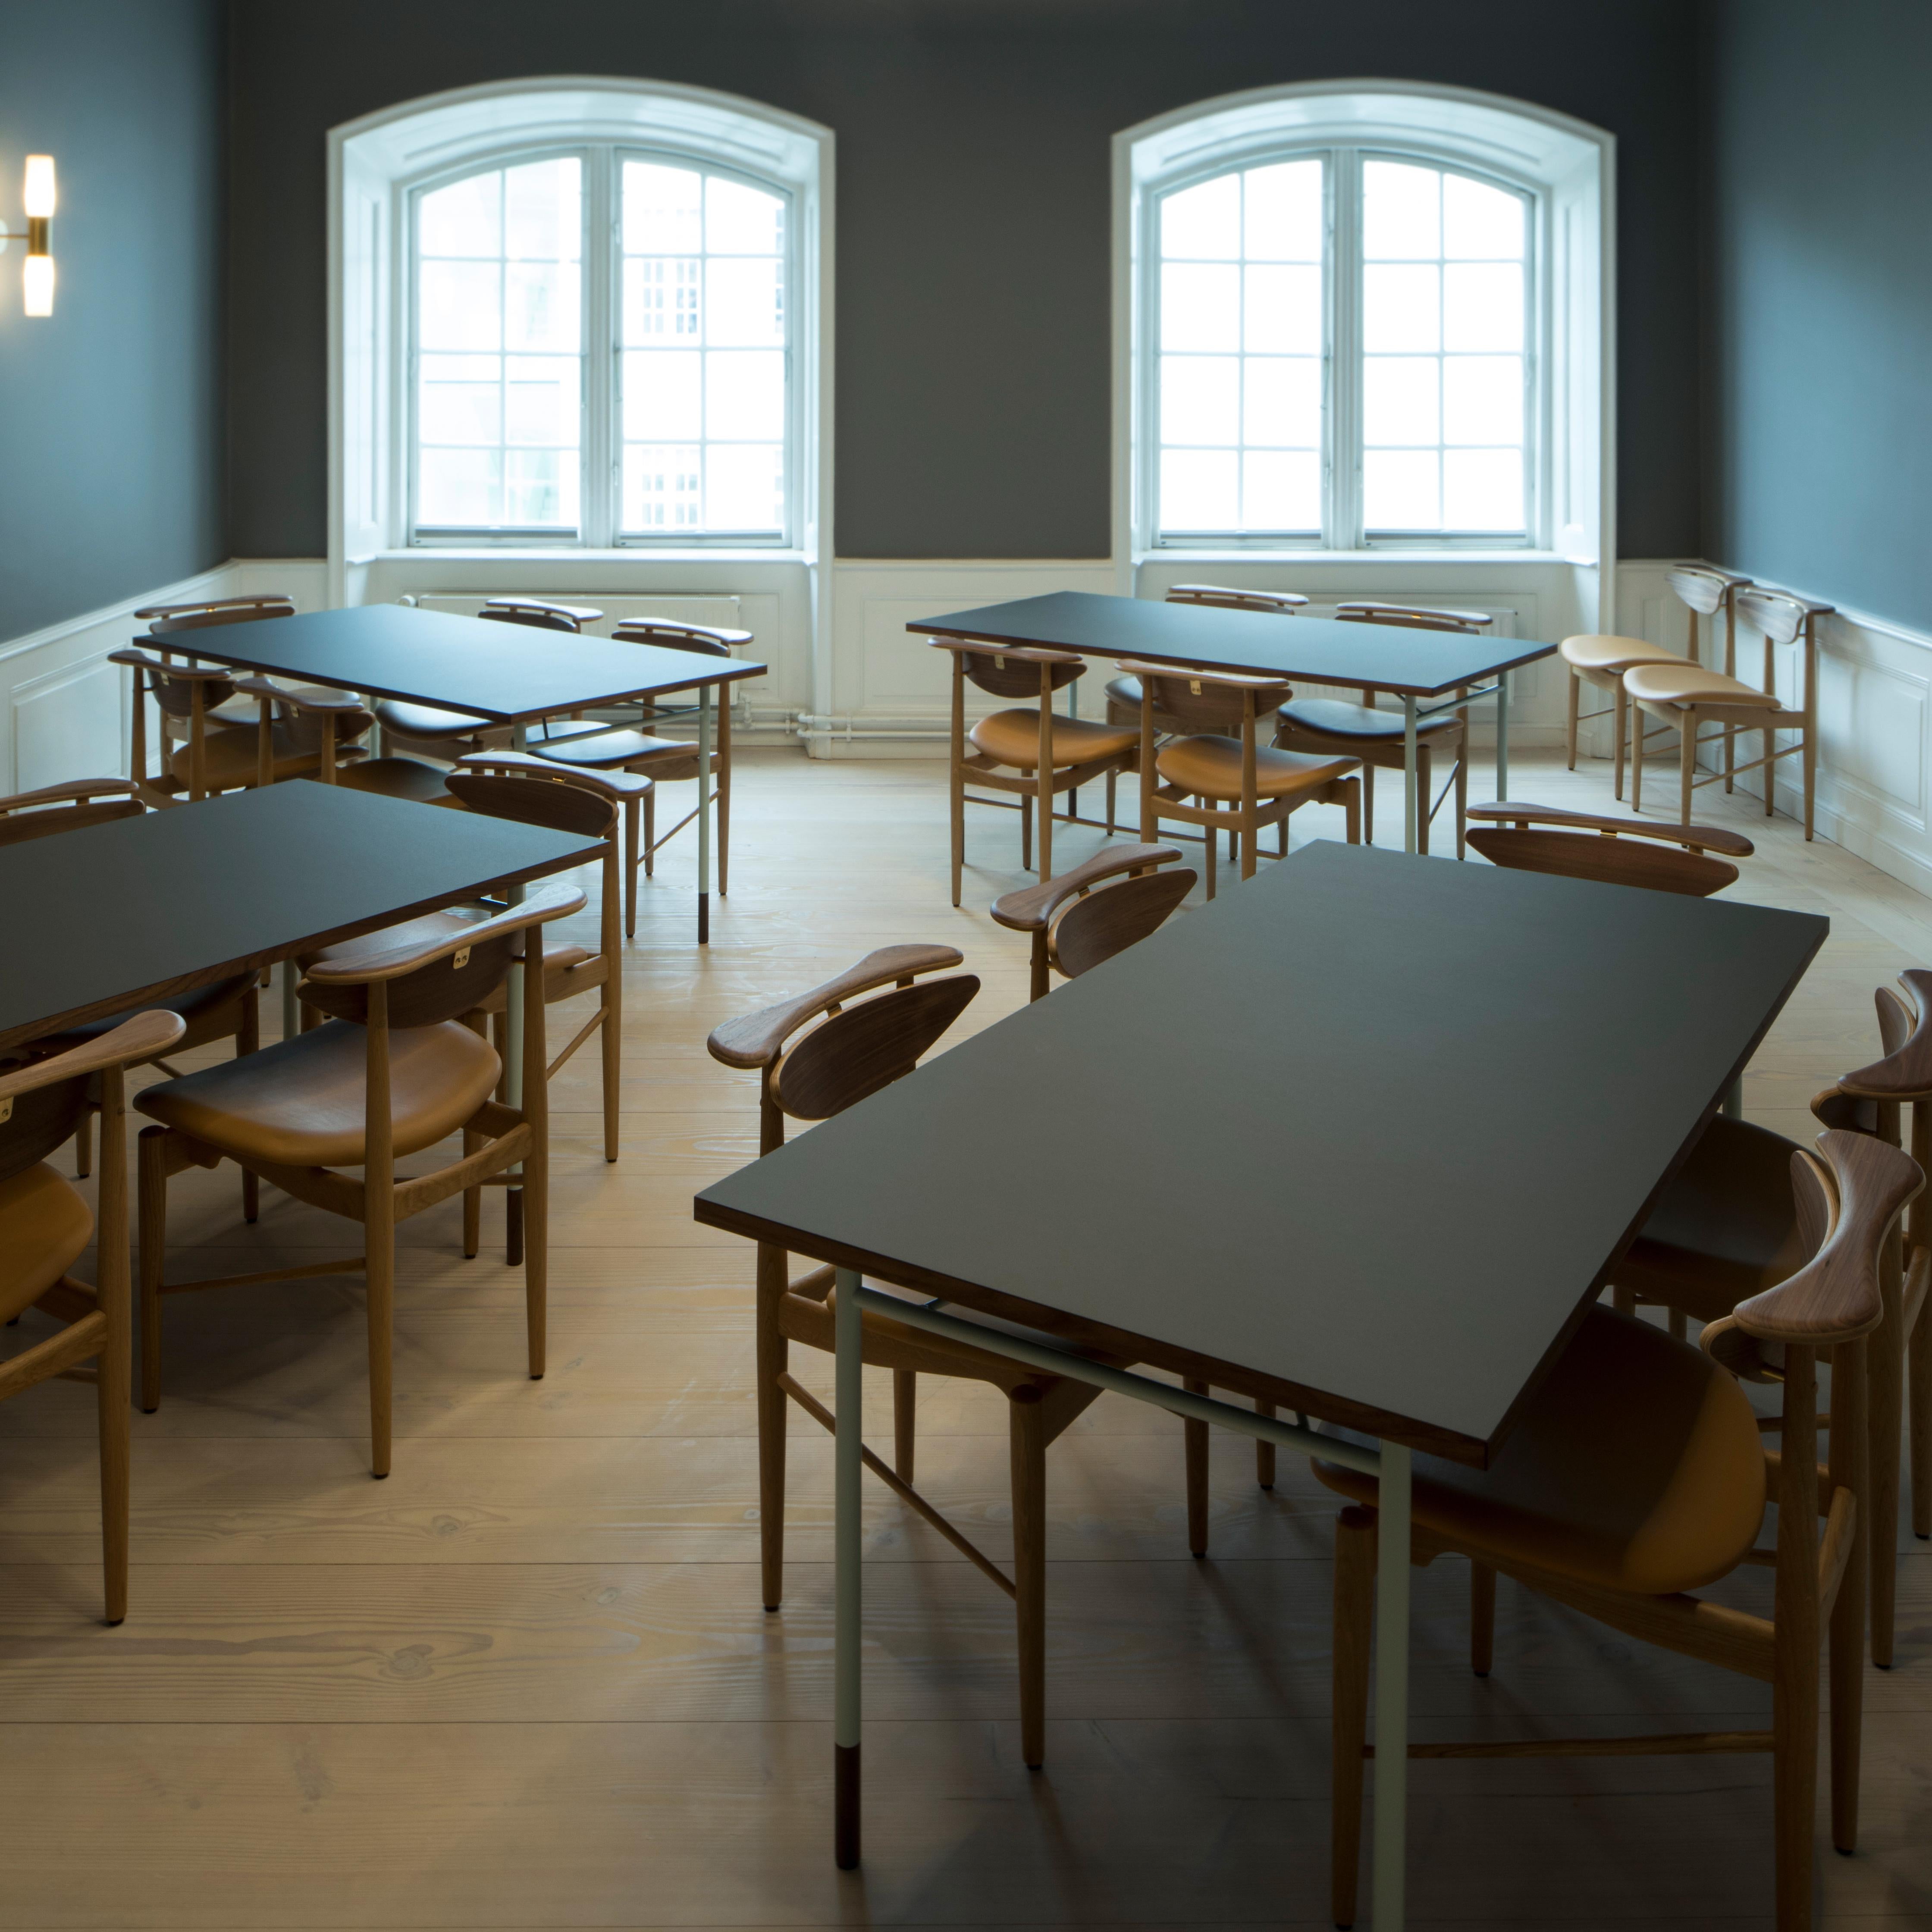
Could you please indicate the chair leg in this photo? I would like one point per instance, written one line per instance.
(151, 1212)
(1637, 728)
(773, 1353)
(1026, 835)
(1619, 723)
(650, 840)
(631, 862)
(1212, 842)
(1687, 765)
(1354, 1614)
(1730, 757)
(1368, 806)
(83, 1143)
(1264, 1451)
(380, 1273)
(1920, 1356)
(1808, 757)
(472, 1203)
(1770, 770)
(1570, 718)
(1281, 837)
(1357, 810)
(112, 1367)
(1886, 1395)
(610, 1045)
(905, 1416)
(1110, 804)
(247, 1040)
(1851, 1466)
(1195, 1435)
(1462, 799)
(1027, 1434)
(1482, 1617)
(535, 1196)
(957, 815)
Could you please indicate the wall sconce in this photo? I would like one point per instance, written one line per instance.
(37, 273)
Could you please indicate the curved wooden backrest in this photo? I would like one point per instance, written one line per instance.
(535, 801)
(41, 1102)
(1276, 603)
(1618, 861)
(755, 1039)
(67, 808)
(1015, 674)
(1200, 700)
(579, 614)
(706, 639)
(1094, 928)
(1413, 616)
(537, 616)
(172, 686)
(1782, 619)
(864, 1048)
(1705, 591)
(1031, 908)
(1905, 1073)
(164, 619)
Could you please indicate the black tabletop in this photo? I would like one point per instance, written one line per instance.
(122, 913)
(1423, 664)
(508, 673)
(1366, 1134)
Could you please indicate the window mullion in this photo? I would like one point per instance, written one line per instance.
(1344, 528)
(598, 522)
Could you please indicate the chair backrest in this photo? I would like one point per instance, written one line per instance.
(1782, 619)
(854, 1050)
(40, 1102)
(67, 808)
(1079, 919)
(1016, 673)
(427, 984)
(704, 639)
(1414, 617)
(1705, 592)
(173, 686)
(1612, 851)
(1277, 603)
(538, 614)
(163, 619)
(1203, 701)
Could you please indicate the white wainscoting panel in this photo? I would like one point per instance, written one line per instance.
(67, 725)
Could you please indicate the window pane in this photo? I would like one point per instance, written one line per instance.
(1482, 489)
(1480, 223)
(540, 401)
(1401, 212)
(1281, 312)
(744, 486)
(1400, 399)
(742, 221)
(540, 301)
(1281, 401)
(744, 395)
(1400, 308)
(463, 487)
(661, 299)
(1200, 399)
(465, 218)
(1281, 490)
(540, 487)
(1400, 490)
(459, 305)
(744, 302)
(1482, 399)
(662, 485)
(461, 400)
(1200, 489)
(664, 209)
(1204, 223)
(1283, 217)
(541, 218)
(1482, 305)
(663, 399)
(1200, 306)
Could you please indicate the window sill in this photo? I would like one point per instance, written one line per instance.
(1462, 559)
(563, 555)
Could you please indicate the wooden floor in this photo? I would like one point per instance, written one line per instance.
(526, 1682)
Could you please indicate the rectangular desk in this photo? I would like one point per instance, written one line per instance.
(1363, 1139)
(1414, 665)
(125, 914)
(508, 674)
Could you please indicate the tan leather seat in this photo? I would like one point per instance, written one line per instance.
(1334, 718)
(1637, 1465)
(1012, 738)
(1683, 682)
(426, 721)
(1726, 1229)
(300, 1103)
(1595, 651)
(44, 1227)
(233, 756)
(1210, 766)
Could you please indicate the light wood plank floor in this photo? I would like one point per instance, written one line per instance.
(526, 1681)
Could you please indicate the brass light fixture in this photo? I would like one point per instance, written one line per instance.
(37, 274)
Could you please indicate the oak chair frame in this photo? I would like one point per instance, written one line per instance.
(1851, 1197)
(96, 1320)
(1125, 709)
(334, 717)
(1115, 917)
(163, 620)
(502, 1145)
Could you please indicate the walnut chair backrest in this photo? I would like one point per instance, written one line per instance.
(40, 1102)
(1612, 851)
(537, 616)
(175, 687)
(1001, 674)
(163, 619)
(669, 636)
(67, 808)
(1203, 701)
(1079, 919)
(1415, 617)
(559, 805)
(1274, 603)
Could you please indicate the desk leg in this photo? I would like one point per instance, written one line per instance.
(704, 815)
(1389, 1857)
(1411, 815)
(848, 1398)
(291, 973)
(1733, 1107)
(1502, 734)
(513, 1066)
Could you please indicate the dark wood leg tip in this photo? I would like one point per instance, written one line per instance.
(845, 1806)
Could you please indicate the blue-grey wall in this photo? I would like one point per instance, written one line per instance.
(973, 277)
(111, 457)
(1818, 467)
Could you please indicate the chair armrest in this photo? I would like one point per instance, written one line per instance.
(132, 1041)
(76, 791)
(1240, 679)
(755, 1039)
(321, 703)
(1698, 837)
(209, 674)
(1031, 908)
(1907, 1071)
(614, 784)
(554, 901)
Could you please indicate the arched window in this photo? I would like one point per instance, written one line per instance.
(1364, 316)
(580, 313)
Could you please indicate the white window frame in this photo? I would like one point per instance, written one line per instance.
(377, 163)
(1564, 166)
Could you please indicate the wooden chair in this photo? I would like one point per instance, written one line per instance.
(1007, 751)
(665, 634)
(1601, 660)
(540, 613)
(1707, 594)
(336, 718)
(1075, 928)
(1635, 1475)
(44, 1229)
(164, 620)
(392, 1073)
(1123, 693)
(860, 1046)
(601, 748)
(224, 1010)
(1332, 727)
(1685, 698)
(1613, 851)
(1216, 777)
